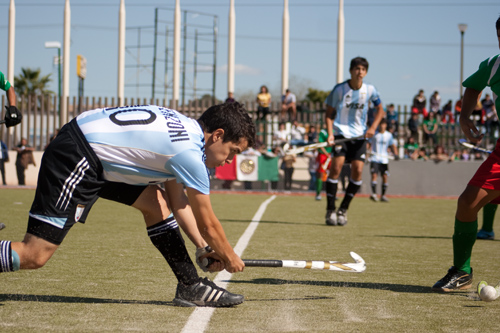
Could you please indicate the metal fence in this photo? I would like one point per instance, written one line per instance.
(41, 119)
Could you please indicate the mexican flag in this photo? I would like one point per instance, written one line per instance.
(249, 168)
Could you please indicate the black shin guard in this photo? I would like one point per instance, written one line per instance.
(331, 193)
(167, 238)
(350, 192)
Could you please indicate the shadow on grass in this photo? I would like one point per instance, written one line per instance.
(403, 288)
(275, 222)
(72, 299)
(415, 237)
(427, 237)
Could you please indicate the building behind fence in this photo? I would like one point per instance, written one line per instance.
(41, 119)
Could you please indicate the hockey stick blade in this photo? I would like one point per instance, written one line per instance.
(358, 266)
(469, 145)
(318, 145)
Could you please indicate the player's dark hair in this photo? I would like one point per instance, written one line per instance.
(383, 121)
(359, 61)
(232, 118)
(498, 24)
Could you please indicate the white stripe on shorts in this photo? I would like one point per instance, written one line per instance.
(69, 185)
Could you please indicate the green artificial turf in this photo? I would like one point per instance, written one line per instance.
(107, 276)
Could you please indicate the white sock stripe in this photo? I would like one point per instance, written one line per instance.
(359, 182)
(162, 229)
(334, 181)
(71, 182)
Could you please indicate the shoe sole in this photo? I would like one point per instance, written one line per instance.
(447, 290)
(187, 304)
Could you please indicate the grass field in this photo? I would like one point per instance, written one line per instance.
(107, 276)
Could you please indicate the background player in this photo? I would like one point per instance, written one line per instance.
(346, 114)
(484, 185)
(379, 145)
(104, 151)
(323, 161)
(12, 116)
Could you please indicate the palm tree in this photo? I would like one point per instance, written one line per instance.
(31, 82)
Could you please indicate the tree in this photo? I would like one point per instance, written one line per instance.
(31, 82)
(316, 95)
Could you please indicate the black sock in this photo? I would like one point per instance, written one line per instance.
(384, 188)
(374, 187)
(167, 238)
(331, 193)
(350, 192)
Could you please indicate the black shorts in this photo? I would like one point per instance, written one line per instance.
(69, 179)
(354, 150)
(69, 183)
(123, 193)
(381, 168)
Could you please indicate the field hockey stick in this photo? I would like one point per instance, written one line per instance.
(358, 266)
(380, 155)
(318, 145)
(469, 145)
(325, 165)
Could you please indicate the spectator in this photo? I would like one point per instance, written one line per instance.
(490, 114)
(430, 127)
(411, 148)
(447, 114)
(312, 134)
(465, 155)
(419, 102)
(413, 125)
(478, 156)
(392, 119)
(287, 166)
(264, 101)
(422, 154)
(457, 156)
(439, 154)
(230, 98)
(478, 114)
(297, 134)
(458, 109)
(4, 158)
(435, 103)
(288, 104)
(24, 158)
(312, 156)
(281, 136)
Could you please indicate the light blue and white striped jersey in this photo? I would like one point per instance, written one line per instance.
(147, 144)
(380, 144)
(352, 108)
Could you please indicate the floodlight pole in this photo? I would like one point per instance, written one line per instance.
(57, 45)
(462, 27)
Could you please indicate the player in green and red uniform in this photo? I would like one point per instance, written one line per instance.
(484, 186)
(323, 155)
(12, 116)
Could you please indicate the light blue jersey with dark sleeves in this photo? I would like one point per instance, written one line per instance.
(352, 108)
(147, 144)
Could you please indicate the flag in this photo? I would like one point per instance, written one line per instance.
(268, 168)
(226, 172)
(247, 167)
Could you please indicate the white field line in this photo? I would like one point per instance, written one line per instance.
(200, 317)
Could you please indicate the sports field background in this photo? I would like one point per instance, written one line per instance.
(107, 276)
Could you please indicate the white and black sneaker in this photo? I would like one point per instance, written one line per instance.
(374, 197)
(205, 293)
(331, 217)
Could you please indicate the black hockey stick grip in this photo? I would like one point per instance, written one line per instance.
(253, 262)
(262, 263)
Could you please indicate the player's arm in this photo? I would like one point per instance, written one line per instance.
(330, 115)
(469, 102)
(11, 96)
(378, 117)
(211, 230)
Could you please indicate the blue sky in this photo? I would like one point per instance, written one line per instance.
(410, 44)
